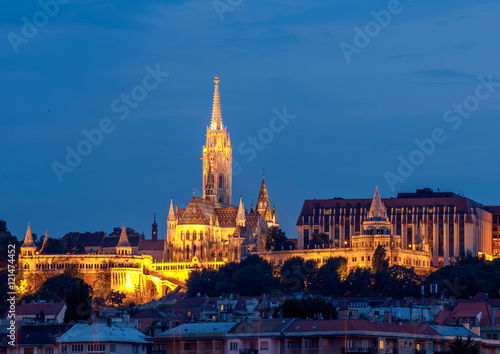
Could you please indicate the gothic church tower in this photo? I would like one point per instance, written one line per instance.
(217, 157)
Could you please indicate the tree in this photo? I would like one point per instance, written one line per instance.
(80, 249)
(359, 282)
(306, 308)
(6, 239)
(460, 346)
(53, 246)
(102, 285)
(397, 281)
(328, 280)
(379, 260)
(202, 282)
(78, 302)
(277, 240)
(116, 298)
(254, 277)
(296, 273)
(319, 240)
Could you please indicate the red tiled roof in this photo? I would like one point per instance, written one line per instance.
(152, 245)
(49, 309)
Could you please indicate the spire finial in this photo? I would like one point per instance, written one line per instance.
(155, 218)
(216, 123)
(263, 173)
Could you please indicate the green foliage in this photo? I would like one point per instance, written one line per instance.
(296, 273)
(306, 309)
(319, 240)
(78, 302)
(397, 281)
(470, 276)
(53, 246)
(116, 298)
(6, 239)
(252, 277)
(201, 281)
(80, 249)
(460, 346)
(328, 280)
(359, 282)
(379, 260)
(277, 240)
(102, 285)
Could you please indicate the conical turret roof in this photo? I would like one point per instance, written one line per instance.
(123, 242)
(377, 209)
(28, 239)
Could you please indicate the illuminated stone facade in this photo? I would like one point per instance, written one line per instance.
(210, 228)
(452, 225)
(375, 229)
(206, 234)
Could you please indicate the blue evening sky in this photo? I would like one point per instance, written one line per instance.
(357, 114)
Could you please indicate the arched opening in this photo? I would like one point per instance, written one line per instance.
(221, 181)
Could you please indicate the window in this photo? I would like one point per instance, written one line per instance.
(364, 343)
(264, 345)
(64, 348)
(160, 347)
(77, 348)
(307, 343)
(348, 343)
(233, 346)
(92, 348)
(49, 350)
(381, 344)
(410, 345)
(112, 348)
(134, 348)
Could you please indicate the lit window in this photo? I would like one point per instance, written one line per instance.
(381, 344)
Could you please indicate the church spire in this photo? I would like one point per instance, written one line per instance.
(263, 204)
(240, 218)
(377, 209)
(216, 123)
(171, 212)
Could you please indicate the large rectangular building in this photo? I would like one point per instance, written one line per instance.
(453, 225)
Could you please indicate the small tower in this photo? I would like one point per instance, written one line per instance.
(171, 231)
(123, 247)
(29, 247)
(45, 241)
(154, 230)
(240, 218)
